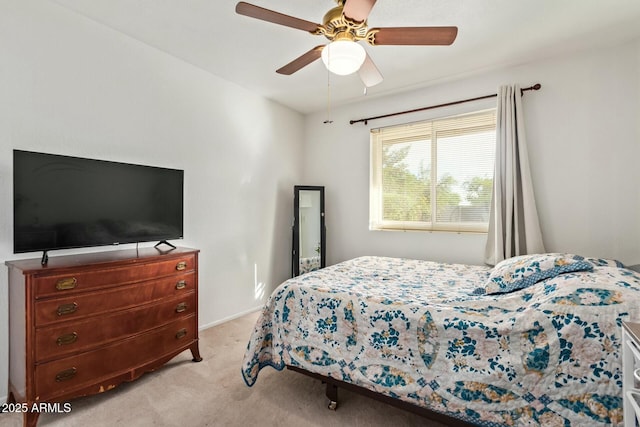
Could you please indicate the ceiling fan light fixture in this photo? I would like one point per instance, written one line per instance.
(343, 57)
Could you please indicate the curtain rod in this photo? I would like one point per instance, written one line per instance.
(536, 86)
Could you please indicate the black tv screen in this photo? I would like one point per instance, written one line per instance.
(62, 202)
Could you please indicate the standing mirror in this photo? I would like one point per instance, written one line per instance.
(309, 235)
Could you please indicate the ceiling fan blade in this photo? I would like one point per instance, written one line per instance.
(413, 35)
(358, 10)
(369, 73)
(301, 61)
(258, 12)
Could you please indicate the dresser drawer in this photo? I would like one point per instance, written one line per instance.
(83, 335)
(79, 281)
(105, 301)
(61, 376)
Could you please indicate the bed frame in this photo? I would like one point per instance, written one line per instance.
(332, 395)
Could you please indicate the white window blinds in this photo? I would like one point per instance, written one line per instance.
(433, 175)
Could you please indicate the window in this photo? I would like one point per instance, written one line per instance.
(433, 175)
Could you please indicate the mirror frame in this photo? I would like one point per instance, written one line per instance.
(295, 262)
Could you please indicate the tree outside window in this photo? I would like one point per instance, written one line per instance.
(435, 175)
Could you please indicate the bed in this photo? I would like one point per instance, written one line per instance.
(534, 341)
(309, 264)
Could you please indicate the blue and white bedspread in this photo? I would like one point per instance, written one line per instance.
(548, 354)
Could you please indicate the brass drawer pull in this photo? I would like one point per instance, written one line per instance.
(67, 339)
(67, 309)
(66, 284)
(181, 307)
(182, 265)
(181, 333)
(66, 375)
(181, 284)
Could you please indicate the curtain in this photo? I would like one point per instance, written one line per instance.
(514, 228)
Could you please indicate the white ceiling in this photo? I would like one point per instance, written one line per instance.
(492, 33)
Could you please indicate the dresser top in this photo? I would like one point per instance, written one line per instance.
(126, 256)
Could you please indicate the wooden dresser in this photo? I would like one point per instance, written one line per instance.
(83, 324)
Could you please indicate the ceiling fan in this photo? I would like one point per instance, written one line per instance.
(344, 26)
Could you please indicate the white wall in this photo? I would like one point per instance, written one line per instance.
(584, 144)
(71, 86)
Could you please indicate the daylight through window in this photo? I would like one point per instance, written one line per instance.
(433, 175)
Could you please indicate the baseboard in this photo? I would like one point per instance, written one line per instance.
(227, 319)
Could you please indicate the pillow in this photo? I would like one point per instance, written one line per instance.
(601, 262)
(525, 270)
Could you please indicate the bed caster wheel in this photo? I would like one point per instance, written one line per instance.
(333, 405)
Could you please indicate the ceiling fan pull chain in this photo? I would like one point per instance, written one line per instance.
(328, 120)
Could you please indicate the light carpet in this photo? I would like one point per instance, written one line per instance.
(212, 393)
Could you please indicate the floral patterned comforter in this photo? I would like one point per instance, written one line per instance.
(546, 355)
(309, 264)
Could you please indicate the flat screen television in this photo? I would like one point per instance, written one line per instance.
(62, 202)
